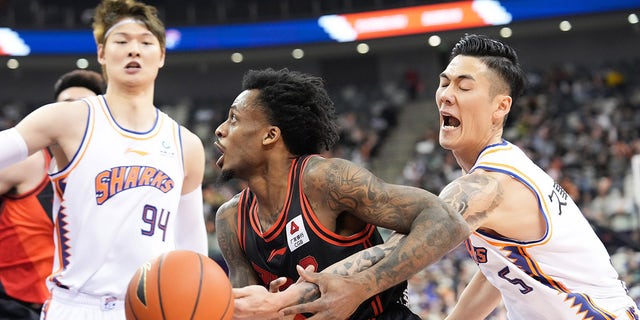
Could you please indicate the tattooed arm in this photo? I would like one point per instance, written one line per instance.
(474, 196)
(431, 226)
(258, 303)
(307, 290)
(240, 272)
(242, 276)
(488, 201)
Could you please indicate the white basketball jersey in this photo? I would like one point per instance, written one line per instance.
(116, 202)
(564, 275)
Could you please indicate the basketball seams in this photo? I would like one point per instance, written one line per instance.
(226, 310)
(176, 291)
(158, 278)
(129, 306)
(200, 282)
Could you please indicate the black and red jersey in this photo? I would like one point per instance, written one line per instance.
(298, 238)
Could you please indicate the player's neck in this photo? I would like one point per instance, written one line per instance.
(270, 184)
(136, 113)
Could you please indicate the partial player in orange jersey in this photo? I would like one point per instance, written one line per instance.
(26, 224)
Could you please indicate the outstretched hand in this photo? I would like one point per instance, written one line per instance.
(255, 302)
(339, 296)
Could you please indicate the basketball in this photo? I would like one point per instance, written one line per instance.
(179, 285)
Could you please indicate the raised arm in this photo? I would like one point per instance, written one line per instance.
(59, 125)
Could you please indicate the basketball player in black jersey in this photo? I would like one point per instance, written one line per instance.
(301, 209)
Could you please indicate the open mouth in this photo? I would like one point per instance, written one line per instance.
(450, 121)
(133, 65)
(219, 153)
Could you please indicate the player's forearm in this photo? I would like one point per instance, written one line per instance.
(298, 293)
(435, 232)
(357, 262)
(362, 260)
(477, 301)
(191, 233)
(14, 148)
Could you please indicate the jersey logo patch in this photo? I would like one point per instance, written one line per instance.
(296, 233)
(167, 149)
(276, 252)
(136, 151)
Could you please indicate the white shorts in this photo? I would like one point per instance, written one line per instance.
(64, 305)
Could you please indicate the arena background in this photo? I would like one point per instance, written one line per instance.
(579, 119)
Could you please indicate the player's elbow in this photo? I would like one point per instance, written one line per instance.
(458, 228)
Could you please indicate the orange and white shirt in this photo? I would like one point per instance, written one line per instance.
(566, 274)
(116, 202)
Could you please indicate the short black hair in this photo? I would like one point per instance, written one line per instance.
(299, 105)
(498, 56)
(79, 78)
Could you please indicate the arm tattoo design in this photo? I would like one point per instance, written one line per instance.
(431, 226)
(473, 196)
(240, 273)
(355, 263)
(360, 261)
(353, 189)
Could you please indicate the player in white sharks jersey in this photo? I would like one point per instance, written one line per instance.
(129, 181)
(535, 250)
(123, 198)
(565, 273)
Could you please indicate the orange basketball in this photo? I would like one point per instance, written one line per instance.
(179, 285)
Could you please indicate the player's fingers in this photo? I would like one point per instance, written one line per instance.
(309, 307)
(274, 286)
(307, 274)
(240, 292)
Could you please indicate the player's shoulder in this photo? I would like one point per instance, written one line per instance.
(328, 168)
(63, 107)
(190, 140)
(228, 208)
(318, 165)
(62, 115)
(322, 174)
(188, 134)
